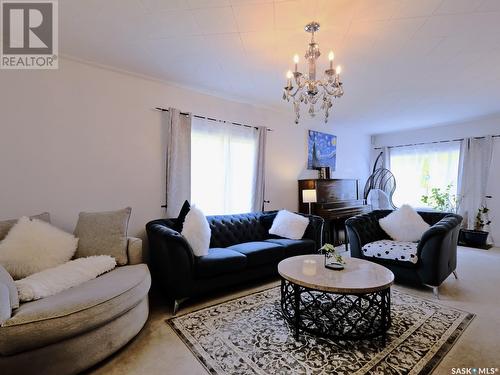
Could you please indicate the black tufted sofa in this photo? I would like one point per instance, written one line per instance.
(436, 251)
(241, 249)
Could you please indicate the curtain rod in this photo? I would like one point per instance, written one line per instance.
(214, 119)
(434, 142)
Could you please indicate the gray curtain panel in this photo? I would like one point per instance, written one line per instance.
(475, 162)
(259, 189)
(178, 160)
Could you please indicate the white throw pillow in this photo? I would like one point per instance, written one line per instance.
(54, 280)
(404, 224)
(289, 225)
(197, 231)
(34, 245)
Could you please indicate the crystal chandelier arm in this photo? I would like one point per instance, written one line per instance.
(325, 87)
(298, 89)
(337, 92)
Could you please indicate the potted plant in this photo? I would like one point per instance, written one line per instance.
(333, 260)
(441, 199)
(477, 237)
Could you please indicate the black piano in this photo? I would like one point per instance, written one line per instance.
(336, 201)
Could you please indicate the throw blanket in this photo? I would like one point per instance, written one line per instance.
(54, 280)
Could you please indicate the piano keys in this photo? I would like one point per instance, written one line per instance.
(337, 200)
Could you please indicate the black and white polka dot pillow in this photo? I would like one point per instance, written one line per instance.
(394, 250)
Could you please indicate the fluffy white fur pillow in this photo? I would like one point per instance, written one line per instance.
(289, 225)
(197, 231)
(54, 280)
(34, 245)
(404, 224)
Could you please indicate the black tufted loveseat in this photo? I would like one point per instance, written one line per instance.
(241, 249)
(436, 250)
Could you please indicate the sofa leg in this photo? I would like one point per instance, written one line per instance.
(177, 303)
(455, 274)
(435, 291)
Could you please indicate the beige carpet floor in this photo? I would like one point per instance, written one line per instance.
(158, 350)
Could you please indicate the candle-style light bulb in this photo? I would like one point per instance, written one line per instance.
(296, 61)
(338, 69)
(289, 76)
(331, 56)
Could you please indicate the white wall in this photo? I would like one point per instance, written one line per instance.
(474, 128)
(86, 138)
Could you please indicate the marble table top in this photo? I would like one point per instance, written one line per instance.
(358, 276)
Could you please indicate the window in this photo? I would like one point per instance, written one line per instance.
(223, 163)
(420, 168)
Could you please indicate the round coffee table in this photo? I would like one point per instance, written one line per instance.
(352, 304)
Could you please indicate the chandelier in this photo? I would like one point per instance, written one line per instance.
(310, 90)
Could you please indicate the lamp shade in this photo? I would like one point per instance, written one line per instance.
(309, 196)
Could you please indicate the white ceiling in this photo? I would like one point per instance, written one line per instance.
(406, 63)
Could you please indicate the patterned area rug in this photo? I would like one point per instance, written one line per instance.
(249, 336)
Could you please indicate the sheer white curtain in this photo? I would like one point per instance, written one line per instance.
(420, 168)
(475, 162)
(224, 161)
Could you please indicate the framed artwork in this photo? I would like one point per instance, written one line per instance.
(322, 150)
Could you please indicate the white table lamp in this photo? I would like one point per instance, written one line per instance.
(309, 196)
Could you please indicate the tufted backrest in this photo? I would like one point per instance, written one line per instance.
(431, 217)
(230, 230)
(368, 229)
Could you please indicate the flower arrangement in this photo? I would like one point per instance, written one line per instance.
(331, 255)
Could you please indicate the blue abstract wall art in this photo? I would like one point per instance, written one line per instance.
(322, 150)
